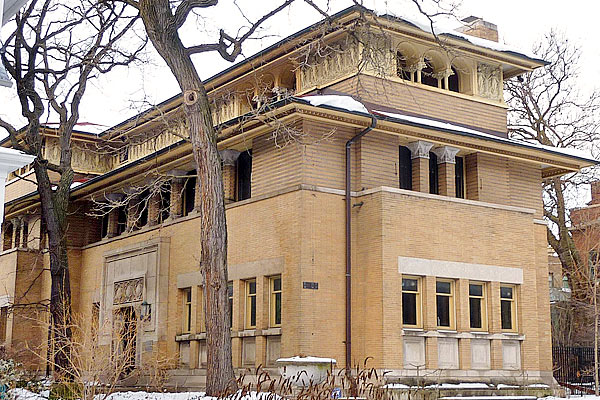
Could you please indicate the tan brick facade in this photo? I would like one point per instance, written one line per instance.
(293, 225)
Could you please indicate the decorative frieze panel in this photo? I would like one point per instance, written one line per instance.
(489, 81)
(128, 291)
(159, 141)
(341, 58)
(84, 159)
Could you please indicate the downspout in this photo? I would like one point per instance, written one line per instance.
(349, 241)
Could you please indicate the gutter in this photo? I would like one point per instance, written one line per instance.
(349, 240)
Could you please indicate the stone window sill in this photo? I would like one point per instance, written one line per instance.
(464, 335)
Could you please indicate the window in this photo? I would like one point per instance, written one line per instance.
(508, 308)
(121, 219)
(187, 310)
(405, 168)
(427, 75)
(165, 202)
(459, 177)
(189, 193)
(104, 226)
(275, 302)
(477, 307)
(453, 81)
(411, 302)
(251, 304)
(201, 311)
(551, 280)
(444, 298)
(244, 175)
(230, 302)
(3, 323)
(433, 173)
(402, 68)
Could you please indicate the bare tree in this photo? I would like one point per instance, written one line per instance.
(545, 107)
(52, 53)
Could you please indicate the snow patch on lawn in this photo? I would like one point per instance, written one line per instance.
(24, 394)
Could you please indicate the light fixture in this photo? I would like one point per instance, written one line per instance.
(145, 310)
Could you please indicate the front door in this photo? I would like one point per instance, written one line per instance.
(126, 339)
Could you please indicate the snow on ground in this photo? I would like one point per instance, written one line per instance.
(24, 394)
(344, 102)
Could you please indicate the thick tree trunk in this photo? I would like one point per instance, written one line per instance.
(54, 211)
(161, 30)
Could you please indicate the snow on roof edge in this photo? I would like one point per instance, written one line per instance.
(462, 130)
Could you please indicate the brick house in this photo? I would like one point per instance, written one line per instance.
(447, 245)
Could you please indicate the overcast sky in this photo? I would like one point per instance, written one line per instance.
(128, 91)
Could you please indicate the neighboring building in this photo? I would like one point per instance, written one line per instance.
(448, 246)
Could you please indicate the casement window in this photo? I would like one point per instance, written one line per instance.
(275, 302)
(433, 174)
(187, 310)
(477, 306)
(459, 177)
(244, 175)
(251, 304)
(508, 308)
(411, 302)
(405, 168)
(3, 323)
(121, 219)
(230, 302)
(444, 298)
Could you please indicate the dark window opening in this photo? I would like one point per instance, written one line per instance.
(189, 193)
(230, 301)
(405, 168)
(121, 219)
(143, 210)
(453, 81)
(506, 307)
(443, 299)
(459, 177)
(244, 175)
(410, 301)
(401, 68)
(165, 201)
(427, 77)
(433, 174)
(104, 226)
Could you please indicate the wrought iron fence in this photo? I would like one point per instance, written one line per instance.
(573, 368)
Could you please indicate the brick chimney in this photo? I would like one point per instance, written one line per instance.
(595, 186)
(476, 26)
